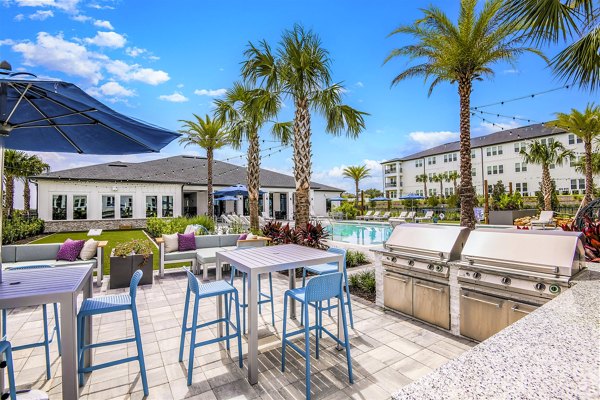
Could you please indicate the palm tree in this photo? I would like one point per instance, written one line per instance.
(210, 134)
(422, 178)
(585, 125)
(552, 21)
(545, 155)
(14, 163)
(580, 165)
(460, 53)
(33, 165)
(439, 178)
(300, 70)
(358, 173)
(453, 176)
(246, 110)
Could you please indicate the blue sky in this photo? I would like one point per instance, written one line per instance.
(162, 62)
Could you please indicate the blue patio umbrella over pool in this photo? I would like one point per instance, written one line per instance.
(338, 198)
(236, 190)
(380, 198)
(412, 197)
(51, 115)
(226, 198)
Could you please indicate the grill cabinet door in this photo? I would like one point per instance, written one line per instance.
(516, 311)
(398, 293)
(431, 302)
(482, 316)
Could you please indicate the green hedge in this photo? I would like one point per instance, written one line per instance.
(159, 226)
(18, 228)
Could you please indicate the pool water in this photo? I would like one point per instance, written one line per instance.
(357, 233)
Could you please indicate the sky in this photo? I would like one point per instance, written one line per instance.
(162, 61)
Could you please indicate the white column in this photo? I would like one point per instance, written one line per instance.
(266, 207)
(311, 204)
(239, 210)
(290, 205)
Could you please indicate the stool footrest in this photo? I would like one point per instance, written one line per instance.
(204, 325)
(295, 347)
(216, 340)
(108, 364)
(109, 343)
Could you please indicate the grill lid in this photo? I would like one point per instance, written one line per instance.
(548, 252)
(439, 242)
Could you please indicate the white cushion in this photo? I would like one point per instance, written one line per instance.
(171, 243)
(89, 250)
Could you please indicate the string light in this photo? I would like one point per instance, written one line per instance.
(529, 96)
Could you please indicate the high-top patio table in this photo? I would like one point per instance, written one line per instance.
(62, 285)
(261, 260)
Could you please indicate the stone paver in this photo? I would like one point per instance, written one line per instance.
(388, 352)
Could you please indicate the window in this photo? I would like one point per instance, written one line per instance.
(500, 150)
(524, 166)
(489, 170)
(432, 192)
(167, 206)
(472, 153)
(126, 207)
(59, 207)
(488, 151)
(419, 163)
(108, 207)
(518, 187)
(495, 169)
(430, 160)
(573, 139)
(547, 141)
(79, 207)
(450, 157)
(524, 188)
(151, 206)
(500, 169)
(493, 151)
(582, 184)
(445, 158)
(473, 171)
(521, 188)
(521, 167)
(573, 184)
(551, 166)
(517, 167)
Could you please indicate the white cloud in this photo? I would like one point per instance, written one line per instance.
(80, 18)
(174, 98)
(64, 5)
(180, 85)
(41, 15)
(486, 127)
(107, 39)
(510, 71)
(134, 51)
(431, 139)
(19, 17)
(335, 176)
(359, 84)
(7, 42)
(210, 92)
(103, 24)
(100, 7)
(127, 72)
(112, 89)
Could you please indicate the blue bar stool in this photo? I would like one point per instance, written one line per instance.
(47, 338)
(202, 291)
(262, 297)
(6, 349)
(318, 289)
(330, 268)
(109, 304)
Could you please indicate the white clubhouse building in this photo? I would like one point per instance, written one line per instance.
(117, 193)
(495, 157)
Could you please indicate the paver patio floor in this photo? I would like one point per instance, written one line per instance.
(388, 352)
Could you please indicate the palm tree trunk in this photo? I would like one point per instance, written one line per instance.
(302, 162)
(455, 188)
(209, 181)
(441, 190)
(425, 187)
(589, 181)
(467, 195)
(26, 196)
(253, 178)
(547, 188)
(357, 190)
(9, 195)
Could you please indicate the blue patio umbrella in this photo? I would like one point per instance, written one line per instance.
(51, 115)
(412, 197)
(226, 198)
(338, 198)
(380, 198)
(236, 190)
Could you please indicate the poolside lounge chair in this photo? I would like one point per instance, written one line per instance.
(401, 219)
(366, 216)
(383, 217)
(545, 219)
(427, 217)
(375, 215)
(265, 215)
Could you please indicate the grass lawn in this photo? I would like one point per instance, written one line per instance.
(113, 238)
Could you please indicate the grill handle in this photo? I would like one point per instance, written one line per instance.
(390, 276)
(429, 287)
(516, 308)
(491, 303)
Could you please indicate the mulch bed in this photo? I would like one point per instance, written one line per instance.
(362, 294)
(31, 238)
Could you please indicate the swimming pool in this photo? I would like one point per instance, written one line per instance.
(357, 233)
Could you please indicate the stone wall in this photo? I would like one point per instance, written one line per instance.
(86, 225)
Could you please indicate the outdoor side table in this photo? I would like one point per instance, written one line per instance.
(24, 288)
(261, 260)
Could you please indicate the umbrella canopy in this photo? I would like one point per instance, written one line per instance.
(51, 115)
(236, 190)
(339, 198)
(380, 198)
(226, 198)
(411, 196)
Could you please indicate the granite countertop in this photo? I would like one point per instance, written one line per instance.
(553, 353)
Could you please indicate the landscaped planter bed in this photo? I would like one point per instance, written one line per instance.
(123, 268)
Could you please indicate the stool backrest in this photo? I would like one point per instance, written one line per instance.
(135, 280)
(6, 351)
(324, 287)
(192, 282)
(338, 250)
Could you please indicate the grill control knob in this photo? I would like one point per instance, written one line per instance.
(506, 280)
(430, 267)
(540, 286)
(411, 262)
(476, 275)
(439, 268)
(394, 259)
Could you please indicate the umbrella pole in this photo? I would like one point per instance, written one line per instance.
(1, 200)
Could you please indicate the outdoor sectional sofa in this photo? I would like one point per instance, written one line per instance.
(45, 254)
(207, 247)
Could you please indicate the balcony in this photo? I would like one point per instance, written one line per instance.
(391, 184)
(390, 171)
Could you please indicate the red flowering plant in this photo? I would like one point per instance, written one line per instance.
(591, 233)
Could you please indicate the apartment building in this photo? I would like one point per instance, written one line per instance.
(495, 157)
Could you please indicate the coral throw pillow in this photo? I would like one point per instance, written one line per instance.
(69, 250)
(186, 241)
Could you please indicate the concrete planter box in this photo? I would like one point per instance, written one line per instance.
(123, 268)
(507, 217)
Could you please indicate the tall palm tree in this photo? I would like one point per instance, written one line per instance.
(33, 165)
(357, 173)
(545, 155)
(300, 70)
(585, 125)
(14, 168)
(576, 22)
(209, 134)
(246, 110)
(423, 178)
(452, 176)
(581, 166)
(460, 53)
(439, 178)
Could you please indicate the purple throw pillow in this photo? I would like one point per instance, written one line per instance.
(243, 236)
(69, 250)
(186, 241)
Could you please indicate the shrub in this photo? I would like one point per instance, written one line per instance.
(18, 228)
(355, 258)
(348, 209)
(363, 281)
(508, 202)
(133, 246)
(591, 240)
(432, 201)
(310, 235)
(159, 226)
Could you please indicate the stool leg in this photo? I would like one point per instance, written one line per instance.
(46, 340)
(80, 344)
(244, 302)
(193, 342)
(307, 350)
(349, 301)
(227, 320)
(329, 307)
(271, 293)
(346, 339)
(318, 327)
(184, 325)
(231, 283)
(57, 327)
(12, 391)
(140, 351)
(283, 335)
(302, 305)
(237, 327)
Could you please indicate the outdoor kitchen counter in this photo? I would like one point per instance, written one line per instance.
(553, 353)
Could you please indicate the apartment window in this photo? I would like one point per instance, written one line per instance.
(59, 207)
(521, 188)
(108, 207)
(521, 167)
(524, 167)
(493, 151)
(488, 151)
(472, 153)
(524, 186)
(520, 146)
(126, 207)
(517, 167)
(489, 170)
(432, 192)
(573, 139)
(79, 207)
(473, 171)
(450, 157)
(419, 163)
(500, 169)
(167, 206)
(500, 150)
(151, 206)
(490, 188)
(573, 184)
(582, 184)
(495, 169)
(518, 187)
(547, 141)
(430, 160)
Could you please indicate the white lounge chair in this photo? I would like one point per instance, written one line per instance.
(545, 219)
(427, 217)
(366, 216)
(375, 215)
(383, 217)
(265, 215)
(400, 219)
